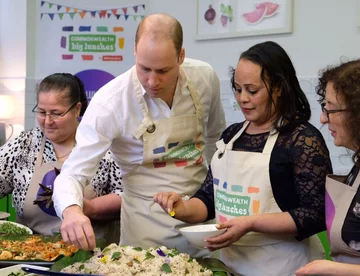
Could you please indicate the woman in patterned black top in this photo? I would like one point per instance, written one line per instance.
(30, 162)
(339, 91)
(266, 181)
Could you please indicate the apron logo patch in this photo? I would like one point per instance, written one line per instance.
(43, 196)
(232, 205)
(180, 155)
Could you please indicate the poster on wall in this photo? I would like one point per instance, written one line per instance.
(231, 18)
(95, 41)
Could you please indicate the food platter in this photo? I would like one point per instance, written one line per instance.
(35, 250)
(16, 269)
(15, 224)
(8, 263)
(4, 215)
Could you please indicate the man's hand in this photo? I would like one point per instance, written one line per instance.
(76, 228)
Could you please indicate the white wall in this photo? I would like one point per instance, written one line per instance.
(13, 56)
(324, 31)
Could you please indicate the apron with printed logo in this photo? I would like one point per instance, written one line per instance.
(40, 218)
(338, 198)
(242, 187)
(173, 160)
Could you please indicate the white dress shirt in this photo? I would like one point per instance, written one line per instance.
(114, 113)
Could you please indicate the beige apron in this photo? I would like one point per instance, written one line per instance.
(242, 187)
(173, 160)
(39, 218)
(338, 198)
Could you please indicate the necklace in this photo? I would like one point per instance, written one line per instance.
(59, 157)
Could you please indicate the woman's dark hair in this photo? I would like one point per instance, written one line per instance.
(69, 87)
(278, 72)
(345, 79)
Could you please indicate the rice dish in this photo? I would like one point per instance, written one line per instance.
(117, 260)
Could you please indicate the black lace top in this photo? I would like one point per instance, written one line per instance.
(299, 164)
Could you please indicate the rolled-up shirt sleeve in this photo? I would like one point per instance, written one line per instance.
(94, 136)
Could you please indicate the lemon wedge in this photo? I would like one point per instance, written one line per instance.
(172, 213)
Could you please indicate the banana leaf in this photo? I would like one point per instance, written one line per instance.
(218, 267)
(79, 256)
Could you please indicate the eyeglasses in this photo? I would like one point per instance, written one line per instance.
(52, 116)
(327, 112)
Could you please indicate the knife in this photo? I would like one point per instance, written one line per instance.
(52, 273)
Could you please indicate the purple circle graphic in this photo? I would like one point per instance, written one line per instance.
(48, 181)
(93, 80)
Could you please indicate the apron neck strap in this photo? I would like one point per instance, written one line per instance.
(357, 180)
(270, 142)
(146, 122)
(196, 100)
(237, 135)
(39, 159)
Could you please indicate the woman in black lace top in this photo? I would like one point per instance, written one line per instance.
(266, 180)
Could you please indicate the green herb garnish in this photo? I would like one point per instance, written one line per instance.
(166, 268)
(115, 256)
(148, 255)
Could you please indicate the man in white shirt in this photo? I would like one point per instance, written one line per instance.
(158, 119)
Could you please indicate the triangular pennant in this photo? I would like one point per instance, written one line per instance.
(142, 16)
(50, 5)
(67, 9)
(51, 15)
(102, 14)
(59, 7)
(114, 11)
(108, 15)
(42, 3)
(118, 16)
(126, 17)
(41, 15)
(60, 15)
(135, 9)
(93, 13)
(135, 17)
(124, 10)
(71, 15)
(82, 14)
(143, 6)
(75, 10)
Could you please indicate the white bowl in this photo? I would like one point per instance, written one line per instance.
(19, 225)
(197, 234)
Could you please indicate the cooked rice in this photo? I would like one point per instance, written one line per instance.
(117, 260)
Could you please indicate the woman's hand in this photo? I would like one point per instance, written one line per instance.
(318, 267)
(236, 228)
(171, 203)
(325, 267)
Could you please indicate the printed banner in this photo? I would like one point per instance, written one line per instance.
(94, 41)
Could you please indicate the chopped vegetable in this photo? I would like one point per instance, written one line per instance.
(12, 229)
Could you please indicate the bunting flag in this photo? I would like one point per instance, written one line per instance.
(73, 11)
